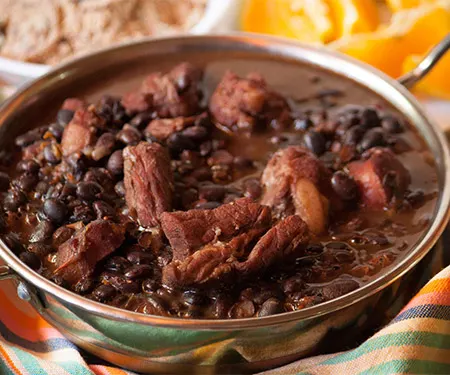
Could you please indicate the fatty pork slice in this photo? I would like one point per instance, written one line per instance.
(148, 182)
(296, 182)
(78, 256)
(228, 262)
(80, 131)
(187, 231)
(174, 94)
(380, 178)
(242, 104)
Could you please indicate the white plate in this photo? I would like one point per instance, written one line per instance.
(220, 15)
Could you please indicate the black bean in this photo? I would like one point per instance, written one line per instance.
(243, 309)
(373, 138)
(42, 232)
(119, 188)
(353, 135)
(207, 205)
(26, 181)
(77, 162)
(337, 245)
(13, 200)
(57, 130)
(252, 188)
(344, 185)
(150, 285)
(102, 209)
(88, 191)
(141, 119)
(194, 297)
(12, 240)
(221, 306)
(129, 135)
(31, 260)
(117, 263)
(270, 307)
(27, 139)
(40, 249)
(64, 116)
(177, 142)
(83, 213)
(29, 166)
(140, 257)
(85, 285)
(138, 271)
(4, 181)
(52, 153)
(293, 284)
(69, 190)
(315, 142)
(416, 198)
(104, 146)
(55, 210)
(314, 249)
(104, 292)
(242, 162)
(196, 133)
(392, 125)
(115, 163)
(337, 288)
(128, 287)
(205, 148)
(370, 118)
(303, 124)
(211, 192)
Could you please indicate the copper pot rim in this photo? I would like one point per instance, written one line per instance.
(267, 45)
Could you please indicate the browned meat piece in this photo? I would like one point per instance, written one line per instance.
(223, 261)
(162, 128)
(212, 262)
(280, 243)
(296, 181)
(380, 178)
(187, 231)
(240, 104)
(148, 182)
(80, 132)
(78, 256)
(135, 102)
(176, 93)
(73, 104)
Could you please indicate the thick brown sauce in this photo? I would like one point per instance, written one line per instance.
(384, 237)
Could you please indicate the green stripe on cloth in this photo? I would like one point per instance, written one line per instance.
(433, 340)
(29, 362)
(4, 369)
(412, 366)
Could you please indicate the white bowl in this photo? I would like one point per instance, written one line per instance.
(220, 15)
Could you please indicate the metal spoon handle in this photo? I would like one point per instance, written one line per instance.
(429, 61)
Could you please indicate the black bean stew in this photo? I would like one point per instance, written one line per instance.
(240, 203)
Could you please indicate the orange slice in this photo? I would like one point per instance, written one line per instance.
(436, 82)
(354, 16)
(396, 5)
(411, 32)
(305, 20)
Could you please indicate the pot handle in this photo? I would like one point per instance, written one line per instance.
(25, 291)
(426, 65)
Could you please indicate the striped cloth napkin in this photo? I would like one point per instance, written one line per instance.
(416, 341)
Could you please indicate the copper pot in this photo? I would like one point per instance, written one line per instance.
(159, 344)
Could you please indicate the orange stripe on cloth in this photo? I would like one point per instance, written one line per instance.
(9, 361)
(433, 298)
(103, 370)
(436, 285)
